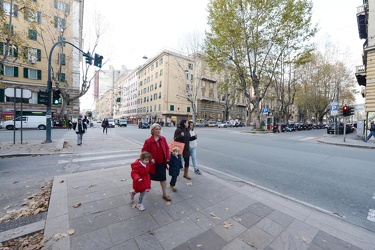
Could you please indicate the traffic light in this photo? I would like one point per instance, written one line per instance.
(345, 110)
(351, 110)
(43, 97)
(56, 97)
(98, 60)
(88, 58)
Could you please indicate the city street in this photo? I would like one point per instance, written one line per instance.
(336, 179)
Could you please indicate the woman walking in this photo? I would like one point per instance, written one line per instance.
(193, 148)
(182, 134)
(157, 146)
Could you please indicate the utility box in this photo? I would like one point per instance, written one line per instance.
(360, 127)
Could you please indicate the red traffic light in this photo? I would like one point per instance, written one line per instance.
(345, 110)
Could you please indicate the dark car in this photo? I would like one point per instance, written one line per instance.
(331, 128)
(143, 125)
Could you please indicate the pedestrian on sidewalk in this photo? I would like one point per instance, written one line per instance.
(157, 146)
(80, 128)
(175, 164)
(105, 125)
(141, 178)
(193, 148)
(372, 131)
(70, 125)
(182, 134)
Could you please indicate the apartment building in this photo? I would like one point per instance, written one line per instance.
(365, 73)
(167, 88)
(24, 61)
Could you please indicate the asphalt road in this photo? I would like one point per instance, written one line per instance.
(332, 178)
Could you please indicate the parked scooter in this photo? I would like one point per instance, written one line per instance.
(275, 129)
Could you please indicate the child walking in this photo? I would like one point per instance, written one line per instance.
(175, 164)
(141, 178)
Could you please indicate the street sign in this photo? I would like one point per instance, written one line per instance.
(265, 111)
(9, 92)
(334, 109)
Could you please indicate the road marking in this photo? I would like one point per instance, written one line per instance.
(371, 215)
(96, 158)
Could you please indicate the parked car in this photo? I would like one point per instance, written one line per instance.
(122, 123)
(201, 124)
(1, 125)
(27, 121)
(224, 125)
(111, 123)
(212, 124)
(239, 124)
(143, 125)
(331, 128)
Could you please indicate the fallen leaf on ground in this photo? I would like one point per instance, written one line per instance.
(189, 183)
(168, 203)
(70, 231)
(237, 219)
(227, 209)
(227, 225)
(77, 205)
(199, 245)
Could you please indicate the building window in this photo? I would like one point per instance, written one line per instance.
(156, 75)
(161, 72)
(33, 35)
(159, 95)
(34, 55)
(159, 107)
(190, 66)
(8, 29)
(160, 85)
(155, 96)
(188, 109)
(60, 23)
(61, 77)
(161, 61)
(9, 71)
(61, 6)
(32, 74)
(12, 49)
(7, 9)
(171, 107)
(60, 38)
(32, 16)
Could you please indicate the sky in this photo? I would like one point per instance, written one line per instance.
(134, 29)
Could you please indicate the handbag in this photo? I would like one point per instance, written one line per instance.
(172, 144)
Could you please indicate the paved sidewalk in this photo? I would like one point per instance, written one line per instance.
(93, 210)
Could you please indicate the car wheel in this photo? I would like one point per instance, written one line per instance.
(42, 127)
(9, 127)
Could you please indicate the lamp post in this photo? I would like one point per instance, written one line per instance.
(49, 87)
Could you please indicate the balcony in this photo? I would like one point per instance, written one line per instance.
(362, 21)
(360, 74)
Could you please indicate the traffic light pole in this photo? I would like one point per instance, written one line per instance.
(49, 89)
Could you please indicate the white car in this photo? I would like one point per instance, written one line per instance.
(225, 125)
(111, 123)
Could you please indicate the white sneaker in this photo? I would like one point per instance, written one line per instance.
(140, 206)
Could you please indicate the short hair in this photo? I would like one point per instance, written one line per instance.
(145, 156)
(176, 149)
(182, 123)
(153, 126)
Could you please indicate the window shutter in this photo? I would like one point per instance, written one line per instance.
(56, 21)
(2, 70)
(64, 23)
(16, 71)
(39, 73)
(25, 73)
(1, 48)
(15, 51)
(55, 4)
(2, 94)
(67, 7)
(15, 10)
(38, 55)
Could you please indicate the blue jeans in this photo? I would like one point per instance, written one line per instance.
(79, 138)
(193, 154)
(372, 133)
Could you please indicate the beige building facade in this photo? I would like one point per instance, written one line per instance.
(26, 67)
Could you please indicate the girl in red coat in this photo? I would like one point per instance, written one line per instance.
(141, 178)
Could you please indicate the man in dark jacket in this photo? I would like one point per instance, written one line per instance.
(80, 129)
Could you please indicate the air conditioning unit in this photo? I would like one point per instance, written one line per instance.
(32, 59)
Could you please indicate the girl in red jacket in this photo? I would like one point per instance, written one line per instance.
(141, 178)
